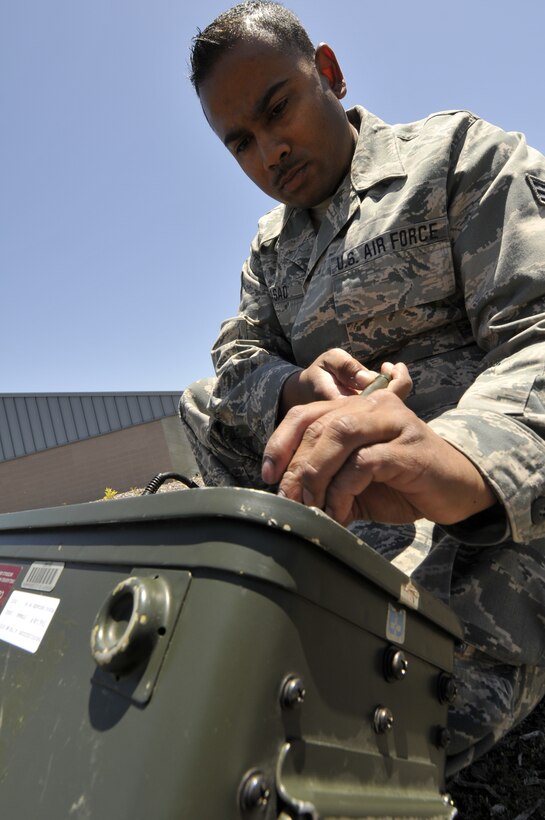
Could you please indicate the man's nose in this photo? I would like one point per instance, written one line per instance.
(273, 151)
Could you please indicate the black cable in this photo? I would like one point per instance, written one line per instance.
(160, 479)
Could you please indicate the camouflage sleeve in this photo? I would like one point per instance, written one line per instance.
(252, 358)
(497, 217)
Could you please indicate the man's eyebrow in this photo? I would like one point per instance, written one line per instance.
(259, 108)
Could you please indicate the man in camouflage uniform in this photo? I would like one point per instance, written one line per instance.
(423, 244)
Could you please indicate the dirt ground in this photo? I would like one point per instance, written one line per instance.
(508, 783)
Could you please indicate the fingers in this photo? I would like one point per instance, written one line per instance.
(335, 374)
(352, 375)
(346, 370)
(287, 437)
(401, 383)
(329, 442)
(371, 457)
(304, 454)
(363, 483)
(332, 375)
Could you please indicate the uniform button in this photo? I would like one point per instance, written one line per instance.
(538, 511)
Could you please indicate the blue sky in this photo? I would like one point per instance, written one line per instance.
(123, 220)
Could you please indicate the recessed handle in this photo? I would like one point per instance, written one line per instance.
(129, 623)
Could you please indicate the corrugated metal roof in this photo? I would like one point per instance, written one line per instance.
(30, 422)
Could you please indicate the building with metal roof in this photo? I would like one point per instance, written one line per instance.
(61, 448)
(30, 423)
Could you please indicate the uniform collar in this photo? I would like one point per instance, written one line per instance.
(376, 156)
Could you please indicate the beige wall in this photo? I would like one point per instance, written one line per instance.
(81, 471)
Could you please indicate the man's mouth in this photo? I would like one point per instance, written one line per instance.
(290, 180)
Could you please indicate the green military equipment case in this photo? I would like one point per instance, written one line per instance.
(215, 653)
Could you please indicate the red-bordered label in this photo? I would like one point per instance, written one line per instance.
(8, 576)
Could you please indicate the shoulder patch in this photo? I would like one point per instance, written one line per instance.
(538, 188)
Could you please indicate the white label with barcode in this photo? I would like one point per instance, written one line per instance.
(42, 576)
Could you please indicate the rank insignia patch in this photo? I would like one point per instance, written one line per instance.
(538, 188)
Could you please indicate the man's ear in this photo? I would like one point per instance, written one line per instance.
(328, 67)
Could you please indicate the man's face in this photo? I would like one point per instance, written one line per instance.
(281, 118)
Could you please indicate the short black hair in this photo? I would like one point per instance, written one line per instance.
(245, 20)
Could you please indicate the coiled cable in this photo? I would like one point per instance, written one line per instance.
(160, 479)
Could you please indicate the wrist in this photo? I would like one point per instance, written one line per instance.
(289, 394)
(470, 493)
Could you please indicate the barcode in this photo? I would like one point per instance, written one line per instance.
(42, 576)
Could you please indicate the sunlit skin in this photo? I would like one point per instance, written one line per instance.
(280, 117)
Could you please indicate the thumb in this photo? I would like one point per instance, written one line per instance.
(347, 370)
(401, 383)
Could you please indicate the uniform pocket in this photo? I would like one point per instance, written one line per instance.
(395, 286)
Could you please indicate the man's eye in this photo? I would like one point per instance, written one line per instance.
(242, 145)
(279, 108)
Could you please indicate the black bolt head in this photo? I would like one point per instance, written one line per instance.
(447, 688)
(443, 737)
(383, 720)
(395, 664)
(292, 693)
(255, 792)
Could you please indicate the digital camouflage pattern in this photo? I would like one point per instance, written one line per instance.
(432, 252)
(491, 700)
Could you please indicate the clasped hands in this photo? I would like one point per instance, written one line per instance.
(366, 457)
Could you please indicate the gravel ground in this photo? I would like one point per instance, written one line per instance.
(508, 783)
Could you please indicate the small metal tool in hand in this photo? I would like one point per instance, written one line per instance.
(380, 382)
